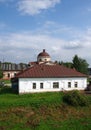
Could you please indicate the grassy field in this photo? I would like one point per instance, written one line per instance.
(6, 81)
(43, 111)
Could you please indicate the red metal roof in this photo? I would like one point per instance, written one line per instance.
(44, 53)
(49, 71)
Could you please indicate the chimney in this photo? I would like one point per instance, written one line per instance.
(43, 50)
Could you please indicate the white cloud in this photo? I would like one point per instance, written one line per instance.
(60, 30)
(76, 44)
(24, 46)
(28, 45)
(32, 7)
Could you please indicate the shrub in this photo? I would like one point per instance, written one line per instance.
(75, 98)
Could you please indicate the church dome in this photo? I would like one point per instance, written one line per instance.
(43, 56)
(44, 53)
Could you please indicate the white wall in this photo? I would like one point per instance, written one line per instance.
(25, 84)
(43, 58)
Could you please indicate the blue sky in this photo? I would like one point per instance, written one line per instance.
(62, 27)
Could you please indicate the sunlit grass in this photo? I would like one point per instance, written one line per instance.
(41, 111)
(10, 99)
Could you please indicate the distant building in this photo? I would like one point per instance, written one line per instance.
(11, 69)
(46, 76)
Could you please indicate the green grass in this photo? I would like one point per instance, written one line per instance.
(6, 81)
(9, 99)
(41, 111)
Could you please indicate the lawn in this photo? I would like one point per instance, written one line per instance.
(43, 111)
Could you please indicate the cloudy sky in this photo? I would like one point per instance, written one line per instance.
(62, 27)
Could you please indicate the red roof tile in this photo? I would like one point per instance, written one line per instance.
(49, 71)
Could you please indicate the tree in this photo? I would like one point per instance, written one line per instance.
(68, 64)
(1, 73)
(80, 64)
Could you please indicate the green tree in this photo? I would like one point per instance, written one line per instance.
(80, 64)
(68, 64)
(1, 73)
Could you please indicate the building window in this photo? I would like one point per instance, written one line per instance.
(40, 60)
(14, 74)
(8, 75)
(41, 85)
(76, 84)
(56, 85)
(69, 84)
(34, 85)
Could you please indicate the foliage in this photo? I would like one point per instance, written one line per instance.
(75, 98)
(80, 64)
(1, 72)
(67, 64)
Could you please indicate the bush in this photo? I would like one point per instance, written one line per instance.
(75, 98)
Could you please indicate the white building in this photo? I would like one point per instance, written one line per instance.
(11, 69)
(46, 76)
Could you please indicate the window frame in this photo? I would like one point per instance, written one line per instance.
(76, 84)
(8, 75)
(14, 74)
(55, 85)
(69, 84)
(34, 85)
(41, 85)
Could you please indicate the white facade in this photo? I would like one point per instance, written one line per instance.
(46, 84)
(43, 58)
(9, 74)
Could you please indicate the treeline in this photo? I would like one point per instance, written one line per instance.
(78, 63)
